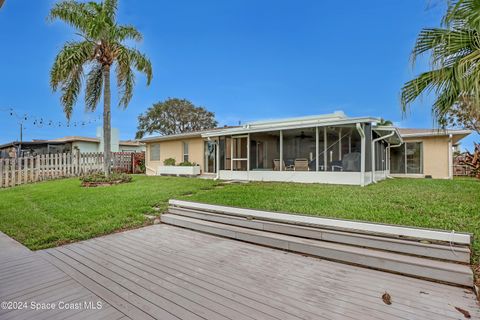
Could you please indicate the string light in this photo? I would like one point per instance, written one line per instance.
(40, 122)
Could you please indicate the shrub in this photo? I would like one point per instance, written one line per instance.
(187, 164)
(101, 178)
(169, 162)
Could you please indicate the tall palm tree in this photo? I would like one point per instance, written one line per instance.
(99, 49)
(454, 50)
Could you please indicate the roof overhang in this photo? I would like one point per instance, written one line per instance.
(299, 123)
(172, 137)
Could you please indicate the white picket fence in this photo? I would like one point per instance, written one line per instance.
(17, 171)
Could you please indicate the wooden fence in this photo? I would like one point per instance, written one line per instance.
(17, 171)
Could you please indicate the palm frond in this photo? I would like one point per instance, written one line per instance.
(127, 33)
(141, 63)
(71, 89)
(93, 90)
(110, 9)
(76, 14)
(423, 84)
(70, 57)
(125, 76)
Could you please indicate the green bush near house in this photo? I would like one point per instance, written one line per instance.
(187, 164)
(169, 162)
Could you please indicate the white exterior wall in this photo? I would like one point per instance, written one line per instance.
(331, 177)
(85, 146)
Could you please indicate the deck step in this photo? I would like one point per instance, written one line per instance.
(385, 230)
(448, 272)
(455, 253)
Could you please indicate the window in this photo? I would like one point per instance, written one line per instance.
(155, 152)
(185, 151)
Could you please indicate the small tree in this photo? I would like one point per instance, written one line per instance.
(174, 116)
(101, 47)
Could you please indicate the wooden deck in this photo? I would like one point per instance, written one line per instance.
(26, 278)
(166, 272)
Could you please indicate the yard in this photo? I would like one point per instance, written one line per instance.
(49, 214)
(52, 213)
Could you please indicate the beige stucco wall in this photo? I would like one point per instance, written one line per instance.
(174, 149)
(435, 156)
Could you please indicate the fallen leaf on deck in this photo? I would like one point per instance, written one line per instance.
(465, 313)
(386, 298)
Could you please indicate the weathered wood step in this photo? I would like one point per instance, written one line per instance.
(444, 252)
(385, 230)
(447, 272)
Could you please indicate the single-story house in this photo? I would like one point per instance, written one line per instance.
(67, 144)
(330, 148)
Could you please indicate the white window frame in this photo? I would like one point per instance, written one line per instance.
(240, 159)
(185, 156)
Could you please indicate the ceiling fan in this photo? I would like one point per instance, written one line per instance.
(303, 135)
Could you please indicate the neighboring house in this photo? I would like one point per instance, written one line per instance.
(68, 144)
(350, 150)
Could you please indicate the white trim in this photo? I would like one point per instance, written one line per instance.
(317, 149)
(325, 157)
(361, 131)
(450, 157)
(281, 150)
(437, 133)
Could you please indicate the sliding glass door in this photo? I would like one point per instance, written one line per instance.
(407, 159)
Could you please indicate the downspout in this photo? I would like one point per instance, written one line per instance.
(373, 152)
(389, 164)
(362, 158)
(450, 157)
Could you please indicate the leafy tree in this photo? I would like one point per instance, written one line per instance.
(455, 69)
(465, 115)
(100, 48)
(174, 116)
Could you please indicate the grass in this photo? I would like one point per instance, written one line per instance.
(439, 204)
(52, 213)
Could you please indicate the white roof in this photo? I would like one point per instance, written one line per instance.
(336, 118)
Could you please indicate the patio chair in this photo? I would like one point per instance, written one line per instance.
(276, 165)
(301, 165)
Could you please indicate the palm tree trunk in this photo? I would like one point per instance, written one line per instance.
(107, 150)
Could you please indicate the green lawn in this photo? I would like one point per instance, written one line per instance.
(441, 204)
(51, 213)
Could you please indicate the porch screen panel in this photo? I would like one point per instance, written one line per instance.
(397, 159)
(264, 150)
(299, 149)
(240, 155)
(343, 149)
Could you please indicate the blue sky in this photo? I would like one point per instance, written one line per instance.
(243, 59)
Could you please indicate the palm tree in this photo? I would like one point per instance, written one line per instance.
(454, 48)
(384, 122)
(100, 47)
